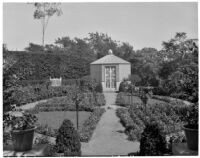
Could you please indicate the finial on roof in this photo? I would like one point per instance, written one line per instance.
(110, 52)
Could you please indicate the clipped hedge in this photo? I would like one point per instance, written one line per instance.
(90, 124)
(24, 95)
(66, 104)
(131, 128)
(124, 99)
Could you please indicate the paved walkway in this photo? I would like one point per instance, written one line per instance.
(108, 138)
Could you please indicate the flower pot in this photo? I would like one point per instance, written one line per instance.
(191, 133)
(23, 139)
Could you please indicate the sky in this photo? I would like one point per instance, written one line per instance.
(139, 24)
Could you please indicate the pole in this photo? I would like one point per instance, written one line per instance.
(77, 110)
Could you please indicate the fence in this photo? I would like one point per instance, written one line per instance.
(56, 82)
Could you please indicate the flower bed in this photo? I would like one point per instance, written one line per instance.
(66, 104)
(126, 100)
(165, 114)
(90, 124)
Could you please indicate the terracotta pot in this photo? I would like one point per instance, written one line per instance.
(23, 139)
(191, 133)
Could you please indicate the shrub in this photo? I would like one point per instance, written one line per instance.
(124, 99)
(51, 148)
(124, 86)
(68, 140)
(100, 99)
(90, 124)
(99, 88)
(152, 141)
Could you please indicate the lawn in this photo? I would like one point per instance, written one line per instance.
(54, 118)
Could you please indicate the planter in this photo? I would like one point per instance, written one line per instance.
(23, 139)
(191, 133)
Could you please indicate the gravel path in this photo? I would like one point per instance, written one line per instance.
(108, 138)
(32, 105)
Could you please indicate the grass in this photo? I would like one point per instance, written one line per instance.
(55, 118)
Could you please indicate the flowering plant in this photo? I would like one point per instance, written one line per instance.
(18, 120)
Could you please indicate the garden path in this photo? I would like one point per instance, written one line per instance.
(32, 105)
(108, 138)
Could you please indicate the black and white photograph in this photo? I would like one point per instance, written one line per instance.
(100, 79)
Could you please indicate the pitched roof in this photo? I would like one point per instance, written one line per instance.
(110, 59)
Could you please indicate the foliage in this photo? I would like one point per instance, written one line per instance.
(18, 120)
(135, 79)
(125, 86)
(46, 130)
(152, 141)
(90, 124)
(68, 140)
(34, 47)
(124, 99)
(65, 103)
(179, 71)
(99, 88)
(191, 116)
(131, 129)
(29, 94)
(167, 115)
(51, 148)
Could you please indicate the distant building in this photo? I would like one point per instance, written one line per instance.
(110, 70)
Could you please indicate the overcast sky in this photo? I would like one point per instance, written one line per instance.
(140, 24)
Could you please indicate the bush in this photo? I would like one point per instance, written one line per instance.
(123, 99)
(68, 140)
(101, 101)
(30, 94)
(99, 88)
(152, 141)
(90, 124)
(124, 86)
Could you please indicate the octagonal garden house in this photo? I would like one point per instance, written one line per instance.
(110, 70)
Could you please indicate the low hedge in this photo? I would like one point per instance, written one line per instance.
(123, 99)
(66, 104)
(131, 128)
(90, 124)
(24, 95)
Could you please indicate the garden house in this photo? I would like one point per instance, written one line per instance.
(110, 70)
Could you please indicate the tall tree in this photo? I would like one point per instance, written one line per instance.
(100, 43)
(43, 12)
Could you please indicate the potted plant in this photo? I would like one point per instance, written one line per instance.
(21, 125)
(191, 128)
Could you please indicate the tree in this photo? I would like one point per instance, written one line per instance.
(178, 46)
(34, 47)
(100, 43)
(43, 12)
